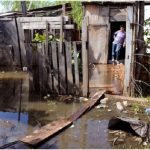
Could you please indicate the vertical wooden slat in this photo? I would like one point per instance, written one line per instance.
(47, 30)
(70, 86)
(76, 69)
(55, 66)
(50, 67)
(85, 59)
(129, 51)
(61, 35)
(62, 70)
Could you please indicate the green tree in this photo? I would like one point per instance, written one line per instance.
(16, 5)
(76, 12)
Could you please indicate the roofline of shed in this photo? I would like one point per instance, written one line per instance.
(113, 3)
(51, 8)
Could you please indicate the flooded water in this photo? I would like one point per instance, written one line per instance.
(21, 113)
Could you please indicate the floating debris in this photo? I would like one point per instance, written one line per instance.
(130, 125)
(109, 110)
(104, 101)
(84, 99)
(25, 69)
(45, 97)
(138, 139)
(48, 95)
(101, 106)
(119, 106)
(125, 111)
(125, 103)
(72, 126)
(145, 143)
(147, 110)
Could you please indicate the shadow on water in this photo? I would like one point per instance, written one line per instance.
(21, 113)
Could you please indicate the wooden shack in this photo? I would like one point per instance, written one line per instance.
(100, 21)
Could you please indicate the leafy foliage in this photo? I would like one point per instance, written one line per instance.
(42, 38)
(76, 12)
(14, 5)
(147, 31)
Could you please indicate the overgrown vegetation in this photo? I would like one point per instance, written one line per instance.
(42, 38)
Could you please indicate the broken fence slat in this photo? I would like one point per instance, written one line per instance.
(76, 69)
(38, 136)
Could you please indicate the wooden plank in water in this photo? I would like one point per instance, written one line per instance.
(39, 136)
(87, 106)
(45, 132)
(70, 85)
(62, 70)
(76, 69)
(55, 66)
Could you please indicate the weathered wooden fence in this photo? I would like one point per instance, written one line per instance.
(54, 70)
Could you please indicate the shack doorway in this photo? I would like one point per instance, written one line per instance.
(115, 26)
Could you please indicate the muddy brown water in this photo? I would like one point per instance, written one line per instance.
(21, 113)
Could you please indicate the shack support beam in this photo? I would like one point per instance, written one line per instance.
(85, 67)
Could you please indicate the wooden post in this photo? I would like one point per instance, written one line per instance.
(85, 59)
(61, 34)
(76, 69)
(24, 8)
(47, 31)
(135, 19)
(140, 42)
(19, 45)
(129, 49)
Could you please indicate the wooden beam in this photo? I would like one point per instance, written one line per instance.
(42, 19)
(85, 70)
(47, 131)
(118, 97)
(43, 26)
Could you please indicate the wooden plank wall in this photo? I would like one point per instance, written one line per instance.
(53, 70)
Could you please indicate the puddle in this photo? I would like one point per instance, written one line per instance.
(21, 113)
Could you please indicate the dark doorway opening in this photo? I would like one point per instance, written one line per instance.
(115, 26)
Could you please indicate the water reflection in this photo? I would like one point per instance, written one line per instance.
(21, 113)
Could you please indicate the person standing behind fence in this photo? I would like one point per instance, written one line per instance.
(119, 41)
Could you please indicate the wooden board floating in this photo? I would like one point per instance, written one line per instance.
(47, 131)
